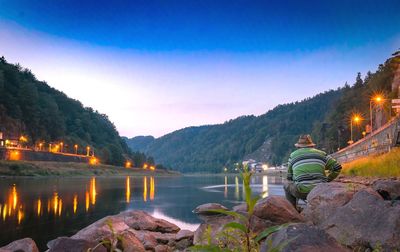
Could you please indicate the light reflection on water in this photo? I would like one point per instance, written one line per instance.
(50, 207)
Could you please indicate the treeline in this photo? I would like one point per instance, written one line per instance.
(34, 109)
(272, 135)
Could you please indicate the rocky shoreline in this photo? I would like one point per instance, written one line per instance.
(351, 214)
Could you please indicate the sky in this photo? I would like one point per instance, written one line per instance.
(155, 66)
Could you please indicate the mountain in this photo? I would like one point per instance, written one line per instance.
(41, 113)
(139, 142)
(270, 137)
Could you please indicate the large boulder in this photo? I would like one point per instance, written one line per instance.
(25, 245)
(389, 189)
(210, 228)
(130, 243)
(73, 245)
(325, 198)
(141, 220)
(102, 228)
(302, 237)
(277, 210)
(366, 221)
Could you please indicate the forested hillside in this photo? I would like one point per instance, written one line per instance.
(43, 114)
(270, 137)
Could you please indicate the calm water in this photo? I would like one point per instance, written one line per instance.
(44, 209)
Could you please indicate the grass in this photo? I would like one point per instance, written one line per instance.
(385, 165)
(41, 168)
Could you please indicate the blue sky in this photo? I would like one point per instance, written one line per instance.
(157, 66)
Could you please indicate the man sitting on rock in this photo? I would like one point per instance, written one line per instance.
(306, 169)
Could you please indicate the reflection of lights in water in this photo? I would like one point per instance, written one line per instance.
(39, 207)
(226, 187)
(55, 203)
(14, 197)
(265, 186)
(4, 212)
(183, 225)
(48, 205)
(75, 203)
(12, 206)
(59, 207)
(128, 189)
(93, 190)
(145, 188)
(236, 187)
(87, 201)
(152, 188)
(20, 215)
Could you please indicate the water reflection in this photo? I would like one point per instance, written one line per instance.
(46, 208)
(128, 189)
(145, 189)
(265, 186)
(12, 206)
(75, 203)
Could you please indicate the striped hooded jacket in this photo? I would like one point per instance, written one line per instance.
(308, 167)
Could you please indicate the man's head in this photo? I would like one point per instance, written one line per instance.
(305, 141)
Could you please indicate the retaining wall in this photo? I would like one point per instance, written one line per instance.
(379, 142)
(31, 155)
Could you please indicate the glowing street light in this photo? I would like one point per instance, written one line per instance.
(87, 150)
(40, 146)
(62, 146)
(356, 119)
(76, 149)
(378, 100)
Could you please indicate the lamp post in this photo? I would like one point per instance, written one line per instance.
(378, 100)
(87, 151)
(356, 119)
(62, 147)
(76, 149)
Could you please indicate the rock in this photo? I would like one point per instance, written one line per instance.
(389, 189)
(130, 243)
(303, 238)
(205, 209)
(101, 229)
(242, 208)
(162, 248)
(184, 234)
(73, 245)
(214, 225)
(325, 198)
(141, 220)
(366, 221)
(258, 225)
(25, 245)
(183, 244)
(277, 210)
(146, 238)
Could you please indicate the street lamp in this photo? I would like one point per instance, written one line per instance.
(356, 119)
(87, 151)
(378, 99)
(62, 146)
(76, 149)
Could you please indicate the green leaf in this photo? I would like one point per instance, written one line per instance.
(267, 232)
(236, 225)
(231, 213)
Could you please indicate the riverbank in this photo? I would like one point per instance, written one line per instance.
(48, 169)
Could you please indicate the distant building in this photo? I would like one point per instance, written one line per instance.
(1, 139)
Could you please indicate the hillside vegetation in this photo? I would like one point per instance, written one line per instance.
(43, 114)
(270, 137)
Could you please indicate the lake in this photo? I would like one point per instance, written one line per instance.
(45, 208)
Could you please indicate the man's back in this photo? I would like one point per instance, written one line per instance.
(307, 167)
